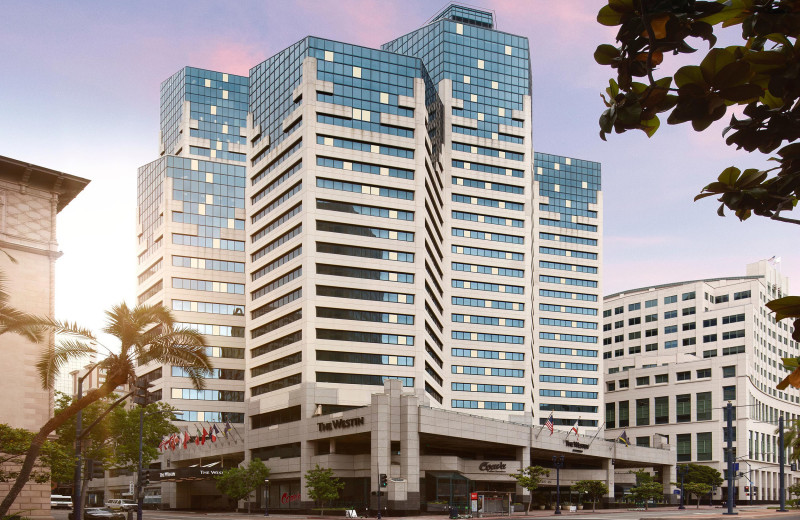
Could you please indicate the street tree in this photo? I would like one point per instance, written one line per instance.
(14, 444)
(761, 75)
(530, 478)
(238, 483)
(594, 489)
(697, 489)
(700, 474)
(146, 333)
(646, 488)
(322, 486)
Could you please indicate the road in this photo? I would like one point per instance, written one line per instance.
(704, 513)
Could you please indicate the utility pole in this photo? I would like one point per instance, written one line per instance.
(781, 463)
(77, 491)
(141, 397)
(731, 480)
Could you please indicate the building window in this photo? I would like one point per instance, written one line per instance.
(651, 318)
(651, 333)
(728, 351)
(708, 338)
(688, 296)
(662, 378)
(722, 298)
(643, 441)
(729, 393)
(684, 376)
(651, 347)
(683, 408)
(671, 299)
(710, 322)
(619, 310)
(634, 306)
(661, 405)
(635, 350)
(668, 315)
(689, 341)
(729, 371)
(624, 383)
(671, 343)
(611, 385)
(650, 303)
(624, 418)
(643, 381)
(619, 352)
(610, 419)
(670, 329)
(704, 406)
(619, 324)
(634, 321)
(703, 372)
(709, 354)
(688, 311)
(704, 446)
(634, 335)
(642, 412)
(741, 295)
(684, 442)
(607, 313)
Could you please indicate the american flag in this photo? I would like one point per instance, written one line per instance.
(549, 423)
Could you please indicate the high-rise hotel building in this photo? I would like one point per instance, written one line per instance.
(346, 218)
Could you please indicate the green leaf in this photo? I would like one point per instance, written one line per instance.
(650, 126)
(786, 307)
(791, 363)
(714, 62)
(689, 74)
(729, 176)
(608, 16)
(606, 54)
(731, 74)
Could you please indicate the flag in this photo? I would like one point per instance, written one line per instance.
(197, 437)
(203, 438)
(624, 439)
(216, 431)
(185, 438)
(226, 429)
(211, 433)
(549, 423)
(575, 428)
(172, 442)
(161, 445)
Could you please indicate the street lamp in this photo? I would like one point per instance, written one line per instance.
(683, 470)
(558, 463)
(266, 497)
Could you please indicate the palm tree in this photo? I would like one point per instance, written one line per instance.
(791, 438)
(147, 333)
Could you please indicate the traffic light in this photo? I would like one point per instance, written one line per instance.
(384, 483)
(141, 395)
(144, 478)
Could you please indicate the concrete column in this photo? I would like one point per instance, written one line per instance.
(332, 448)
(608, 467)
(408, 495)
(524, 458)
(380, 440)
(669, 474)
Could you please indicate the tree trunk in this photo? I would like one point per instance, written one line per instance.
(50, 426)
(593, 503)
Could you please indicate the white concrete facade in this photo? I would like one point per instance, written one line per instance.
(727, 348)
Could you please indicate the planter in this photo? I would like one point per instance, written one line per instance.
(580, 507)
(541, 507)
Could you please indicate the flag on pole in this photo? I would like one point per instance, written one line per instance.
(575, 428)
(185, 438)
(549, 423)
(211, 433)
(216, 431)
(226, 429)
(203, 438)
(197, 437)
(624, 439)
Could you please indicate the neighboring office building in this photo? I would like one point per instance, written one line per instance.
(389, 204)
(677, 353)
(31, 197)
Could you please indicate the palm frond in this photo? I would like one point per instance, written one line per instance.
(53, 358)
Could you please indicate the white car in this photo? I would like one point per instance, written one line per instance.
(60, 502)
(121, 504)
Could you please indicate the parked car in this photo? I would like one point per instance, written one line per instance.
(100, 513)
(121, 504)
(152, 502)
(60, 502)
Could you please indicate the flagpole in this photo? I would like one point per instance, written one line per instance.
(598, 433)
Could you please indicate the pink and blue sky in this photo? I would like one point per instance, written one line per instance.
(79, 87)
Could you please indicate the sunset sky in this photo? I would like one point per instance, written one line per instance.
(79, 92)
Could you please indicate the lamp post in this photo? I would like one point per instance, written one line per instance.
(558, 463)
(683, 470)
(266, 497)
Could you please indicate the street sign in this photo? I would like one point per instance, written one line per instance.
(473, 496)
(735, 466)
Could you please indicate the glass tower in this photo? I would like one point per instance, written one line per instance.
(191, 237)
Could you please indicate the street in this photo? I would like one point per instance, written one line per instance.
(604, 514)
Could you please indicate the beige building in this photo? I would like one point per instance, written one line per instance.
(30, 199)
(676, 354)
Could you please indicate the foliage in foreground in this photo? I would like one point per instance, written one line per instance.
(322, 485)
